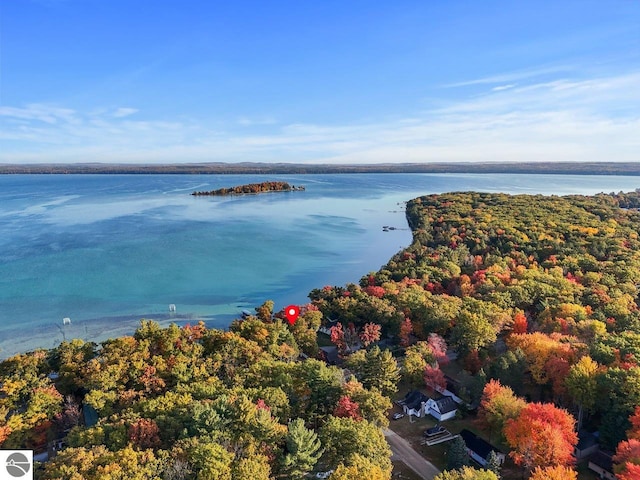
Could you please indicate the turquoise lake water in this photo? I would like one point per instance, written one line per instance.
(107, 250)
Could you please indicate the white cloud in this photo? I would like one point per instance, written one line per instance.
(558, 120)
(124, 112)
(251, 121)
(503, 87)
(42, 113)
(509, 77)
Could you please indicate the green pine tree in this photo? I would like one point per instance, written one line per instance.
(457, 456)
(303, 451)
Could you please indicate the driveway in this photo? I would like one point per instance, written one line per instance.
(403, 451)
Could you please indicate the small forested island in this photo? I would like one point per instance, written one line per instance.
(522, 309)
(252, 188)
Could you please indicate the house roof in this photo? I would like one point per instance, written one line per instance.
(478, 445)
(331, 354)
(446, 405)
(586, 440)
(602, 460)
(414, 399)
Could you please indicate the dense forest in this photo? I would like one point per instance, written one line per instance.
(538, 295)
(262, 187)
(535, 298)
(182, 403)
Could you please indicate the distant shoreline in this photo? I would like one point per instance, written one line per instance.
(551, 168)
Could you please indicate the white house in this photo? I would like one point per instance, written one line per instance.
(443, 408)
(413, 403)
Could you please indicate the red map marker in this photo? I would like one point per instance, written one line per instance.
(292, 312)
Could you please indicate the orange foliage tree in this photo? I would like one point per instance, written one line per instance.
(634, 431)
(541, 436)
(558, 472)
(520, 324)
(539, 348)
(498, 404)
(627, 458)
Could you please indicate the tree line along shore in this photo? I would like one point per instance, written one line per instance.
(570, 168)
(529, 303)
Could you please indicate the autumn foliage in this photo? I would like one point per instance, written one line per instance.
(347, 408)
(498, 405)
(434, 378)
(144, 433)
(557, 472)
(541, 436)
(370, 334)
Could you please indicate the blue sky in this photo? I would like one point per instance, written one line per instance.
(322, 81)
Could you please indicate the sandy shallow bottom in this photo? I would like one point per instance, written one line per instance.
(16, 340)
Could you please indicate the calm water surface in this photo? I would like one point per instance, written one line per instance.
(107, 250)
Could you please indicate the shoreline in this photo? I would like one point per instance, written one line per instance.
(248, 168)
(50, 335)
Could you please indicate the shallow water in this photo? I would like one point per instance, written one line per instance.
(107, 250)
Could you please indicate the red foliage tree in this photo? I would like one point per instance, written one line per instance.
(260, 405)
(557, 370)
(631, 472)
(439, 348)
(520, 324)
(627, 454)
(370, 334)
(194, 332)
(151, 382)
(337, 338)
(541, 436)
(347, 408)
(375, 291)
(406, 329)
(634, 431)
(434, 378)
(144, 433)
(472, 362)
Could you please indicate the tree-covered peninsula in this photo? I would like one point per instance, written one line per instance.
(252, 188)
(528, 303)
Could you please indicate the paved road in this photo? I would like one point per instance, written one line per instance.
(403, 451)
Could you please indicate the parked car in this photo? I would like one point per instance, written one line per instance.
(430, 432)
(324, 474)
(398, 416)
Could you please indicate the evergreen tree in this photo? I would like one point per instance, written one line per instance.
(303, 450)
(493, 463)
(457, 456)
(376, 368)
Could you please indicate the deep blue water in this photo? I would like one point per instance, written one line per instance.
(107, 250)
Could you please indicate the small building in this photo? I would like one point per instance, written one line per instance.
(602, 463)
(587, 444)
(443, 408)
(479, 449)
(413, 403)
